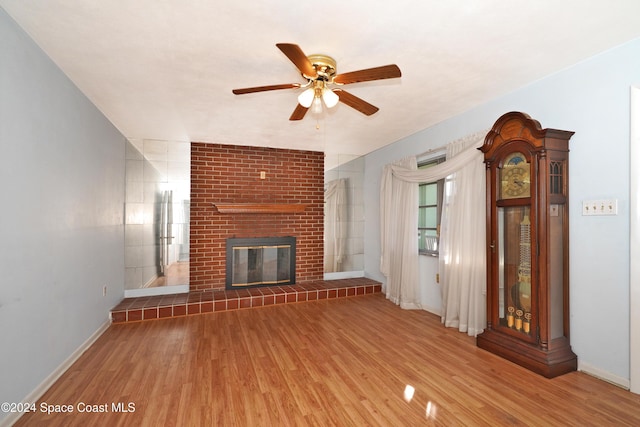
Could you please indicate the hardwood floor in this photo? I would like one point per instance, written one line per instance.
(177, 274)
(342, 362)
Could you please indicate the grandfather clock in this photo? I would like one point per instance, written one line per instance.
(528, 245)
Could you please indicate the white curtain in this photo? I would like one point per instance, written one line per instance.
(399, 219)
(463, 303)
(335, 224)
(462, 243)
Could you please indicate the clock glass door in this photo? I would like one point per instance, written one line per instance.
(514, 270)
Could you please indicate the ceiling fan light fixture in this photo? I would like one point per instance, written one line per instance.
(317, 105)
(306, 98)
(330, 98)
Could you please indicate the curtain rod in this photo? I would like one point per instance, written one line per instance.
(444, 147)
(431, 150)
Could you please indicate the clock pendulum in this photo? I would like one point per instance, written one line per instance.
(521, 290)
(524, 268)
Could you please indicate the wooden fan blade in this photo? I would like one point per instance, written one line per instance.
(265, 88)
(354, 102)
(299, 59)
(299, 112)
(377, 73)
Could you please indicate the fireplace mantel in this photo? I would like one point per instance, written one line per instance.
(230, 208)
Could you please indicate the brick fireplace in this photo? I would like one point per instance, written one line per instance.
(254, 192)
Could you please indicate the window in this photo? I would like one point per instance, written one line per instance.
(429, 211)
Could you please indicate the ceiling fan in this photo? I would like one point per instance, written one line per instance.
(320, 73)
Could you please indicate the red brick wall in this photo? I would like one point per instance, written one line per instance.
(231, 174)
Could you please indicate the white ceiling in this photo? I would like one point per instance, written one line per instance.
(164, 70)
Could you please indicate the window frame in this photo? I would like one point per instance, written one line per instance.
(432, 161)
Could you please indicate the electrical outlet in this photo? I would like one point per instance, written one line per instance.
(104, 291)
(600, 207)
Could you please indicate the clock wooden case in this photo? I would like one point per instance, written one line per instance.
(528, 245)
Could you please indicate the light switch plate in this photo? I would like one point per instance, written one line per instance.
(600, 207)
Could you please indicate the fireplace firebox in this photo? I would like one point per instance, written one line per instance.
(261, 261)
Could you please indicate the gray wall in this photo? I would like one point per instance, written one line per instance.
(592, 99)
(61, 220)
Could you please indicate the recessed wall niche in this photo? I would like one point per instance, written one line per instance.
(157, 210)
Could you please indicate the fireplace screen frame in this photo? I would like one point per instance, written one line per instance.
(258, 245)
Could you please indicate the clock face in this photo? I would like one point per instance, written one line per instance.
(515, 178)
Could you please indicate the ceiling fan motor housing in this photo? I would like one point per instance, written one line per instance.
(325, 67)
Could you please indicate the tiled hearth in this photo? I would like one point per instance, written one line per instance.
(209, 301)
